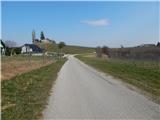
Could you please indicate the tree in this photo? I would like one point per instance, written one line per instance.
(105, 50)
(158, 44)
(10, 46)
(42, 36)
(17, 50)
(10, 43)
(122, 46)
(60, 46)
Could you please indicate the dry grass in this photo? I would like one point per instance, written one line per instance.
(12, 66)
(90, 55)
(93, 55)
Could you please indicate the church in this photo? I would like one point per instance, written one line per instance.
(35, 47)
(42, 38)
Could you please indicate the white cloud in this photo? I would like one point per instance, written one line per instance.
(99, 22)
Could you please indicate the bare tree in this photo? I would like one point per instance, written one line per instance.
(10, 43)
(99, 51)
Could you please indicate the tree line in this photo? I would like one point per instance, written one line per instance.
(148, 52)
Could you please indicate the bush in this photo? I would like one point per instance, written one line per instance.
(12, 51)
(17, 50)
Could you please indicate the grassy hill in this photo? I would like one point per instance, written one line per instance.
(78, 49)
(68, 49)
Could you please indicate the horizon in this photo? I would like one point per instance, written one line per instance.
(88, 24)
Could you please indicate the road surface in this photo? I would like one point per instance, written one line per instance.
(81, 92)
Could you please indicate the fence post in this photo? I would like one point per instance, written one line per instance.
(29, 57)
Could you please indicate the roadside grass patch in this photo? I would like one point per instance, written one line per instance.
(18, 64)
(24, 97)
(143, 74)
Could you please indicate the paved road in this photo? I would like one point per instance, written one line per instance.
(81, 92)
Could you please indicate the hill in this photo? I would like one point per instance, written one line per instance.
(68, 49)
(77, 49)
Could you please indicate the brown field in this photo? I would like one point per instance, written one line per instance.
(16, 65)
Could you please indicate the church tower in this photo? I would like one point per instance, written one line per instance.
(33, 36)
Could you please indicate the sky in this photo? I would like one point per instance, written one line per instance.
(82, 23)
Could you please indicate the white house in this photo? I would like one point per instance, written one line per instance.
(27, 48)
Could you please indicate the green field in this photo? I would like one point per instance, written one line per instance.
(68, 49)
(25, 96)
(143, 74)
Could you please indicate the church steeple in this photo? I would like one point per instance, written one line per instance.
(33, 36)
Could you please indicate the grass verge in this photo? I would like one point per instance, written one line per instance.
(24, 97)
(143, 74)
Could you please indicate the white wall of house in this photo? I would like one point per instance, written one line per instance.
(26, 49)
(3, 51)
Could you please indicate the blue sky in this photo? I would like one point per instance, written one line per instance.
(82, 23)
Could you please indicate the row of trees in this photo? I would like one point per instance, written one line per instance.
(149, 52)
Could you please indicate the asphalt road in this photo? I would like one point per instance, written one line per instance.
(81, 92)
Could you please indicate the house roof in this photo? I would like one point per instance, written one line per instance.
(2, 44)
(34, 47)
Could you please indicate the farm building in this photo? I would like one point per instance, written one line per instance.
(27, 48)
